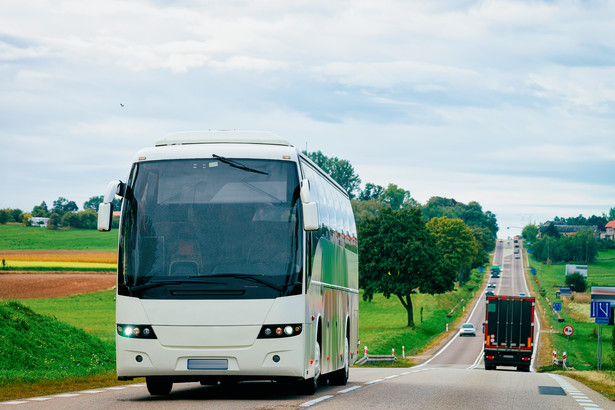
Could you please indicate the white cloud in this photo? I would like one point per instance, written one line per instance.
(461, 99)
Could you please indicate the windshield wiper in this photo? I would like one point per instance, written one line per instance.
(239, 165)
(156, 283)
(248, 277)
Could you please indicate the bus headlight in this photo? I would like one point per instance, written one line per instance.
(136, 331)
(277, 331)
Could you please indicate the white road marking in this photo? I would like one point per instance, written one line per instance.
(575, 393)
(392, 377)
(318, 400)
(373, 381)
(67, 395)
(349, 389)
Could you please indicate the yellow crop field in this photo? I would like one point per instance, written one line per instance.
(60, 256)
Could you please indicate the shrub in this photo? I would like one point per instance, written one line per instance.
(577, 282)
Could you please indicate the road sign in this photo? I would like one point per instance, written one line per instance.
(568, 330)
(600, 310)
(557, 306)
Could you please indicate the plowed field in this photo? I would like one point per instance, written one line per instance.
(52, 285)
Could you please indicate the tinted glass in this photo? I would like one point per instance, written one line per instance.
(212, 229)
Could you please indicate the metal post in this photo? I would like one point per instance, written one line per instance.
(567, 350)
(599, 347)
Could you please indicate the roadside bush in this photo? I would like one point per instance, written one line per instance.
(577, 282)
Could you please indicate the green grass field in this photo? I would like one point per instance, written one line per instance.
(92, 312)
(383, 322)
(19, 237)
(582, 345)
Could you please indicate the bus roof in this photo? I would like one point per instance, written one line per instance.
(222, 136)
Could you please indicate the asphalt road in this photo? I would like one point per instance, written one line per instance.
(453, 378)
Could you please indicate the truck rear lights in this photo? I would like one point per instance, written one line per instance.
(136, 331)
(490, 357)
(277, 331)
(525, 359)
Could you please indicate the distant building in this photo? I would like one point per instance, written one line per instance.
(580, 269)
(609, 231)
(566, 230)
(39, 221)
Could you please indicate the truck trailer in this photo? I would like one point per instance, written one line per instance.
(509, 332)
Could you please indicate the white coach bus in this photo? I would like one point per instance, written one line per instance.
(237, 261)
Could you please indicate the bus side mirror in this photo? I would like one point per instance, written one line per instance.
(105, 209)
(310, 209)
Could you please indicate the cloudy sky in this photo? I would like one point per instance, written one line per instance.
(508, 103)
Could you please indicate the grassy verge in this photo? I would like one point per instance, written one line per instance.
(94, 313)
(39, 350)
(603, 381)
(581, 347)
(19, 237)
(383, 322)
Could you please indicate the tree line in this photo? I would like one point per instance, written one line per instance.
(63, 214)
(582, 247)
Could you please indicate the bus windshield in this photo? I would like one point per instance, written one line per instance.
(216, 228)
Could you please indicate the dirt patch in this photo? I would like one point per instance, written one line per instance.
(52, 285)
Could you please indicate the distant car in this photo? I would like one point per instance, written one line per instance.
(467, 329)
(491, 285)
(522, 294)
(517, 256)
(489, 292)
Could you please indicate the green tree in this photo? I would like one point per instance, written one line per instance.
(581, 247)
(54, 221)
(550, 229)
(395, 196)
(366, 209)
(529, 232)
(577, 282)
(457, 244)
(472, 214)
(484, 241)
(88, 219)
(41, 210)
(63, 205)
(5, 216)
(93, 202)
(339, 169)
(70, 220)
(371, 192)
(399, 257)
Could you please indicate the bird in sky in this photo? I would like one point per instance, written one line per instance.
(121, 105)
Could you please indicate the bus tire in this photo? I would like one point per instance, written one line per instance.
(158, 386)
(340, 377)
(309, 386)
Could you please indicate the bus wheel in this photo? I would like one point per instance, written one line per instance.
(158, 386)
(340, 377)
(310, 385)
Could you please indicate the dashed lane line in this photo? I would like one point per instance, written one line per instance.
(369, 383)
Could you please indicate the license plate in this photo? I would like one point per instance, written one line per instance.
(207, 364)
